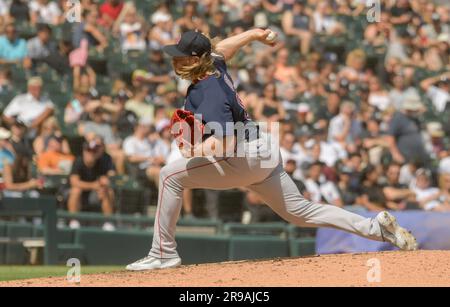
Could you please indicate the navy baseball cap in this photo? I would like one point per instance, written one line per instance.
(191, 43)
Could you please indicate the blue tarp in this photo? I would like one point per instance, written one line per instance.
(432, 230)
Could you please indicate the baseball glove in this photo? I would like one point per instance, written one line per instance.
(186, 129)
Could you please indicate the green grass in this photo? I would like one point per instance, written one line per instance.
(28, 272)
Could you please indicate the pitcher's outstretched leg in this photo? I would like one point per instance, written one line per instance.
(282, 195)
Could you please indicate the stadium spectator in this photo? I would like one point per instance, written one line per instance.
(88, 29)
(124, 120)
(146, 150)
(190, 19)
(19, 10)
(6, 150)
(6, 86)
(445, 193)
(327, 112)
(298, 23)
(53, 160)
(371, 195)
(378, 96)
(161, 33)
(373, 140)
(340, 128)
(49, 129)
(344, 186)
(320, 189)
(396, 194)
(400, 91)
(85, 78)
(132, 31)
(138, 104)
(89, 183)
(247, 18)
(289, 150)
(19, 140)
(218, 25)
(4, 8)
(284, 72)
(59, 58)
(426, 195)
(158, 73)
(18, 181)
(291, 168)
(13, 50)
(404, 136)
(31, 108)
(438, 90)
(435, 139)
(322, 150)
(354, 69)
(79, 107)
(110, 11)
(40, 47)
(325, 22)
(98, 125)
(45, 11)
(270, 109)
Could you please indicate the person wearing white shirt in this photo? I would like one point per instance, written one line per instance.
(288, 149)
(131, 32)
(45, 11)
(444, 166)
(145, 149)
(291, 150)
(340, 129)
(4, 7)
(30, 108)
(438, 90)
(320, 189)
(426, 196)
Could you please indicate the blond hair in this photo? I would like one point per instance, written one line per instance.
(355, 55)
(203, 68)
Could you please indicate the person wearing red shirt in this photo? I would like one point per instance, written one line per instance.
(110, 11)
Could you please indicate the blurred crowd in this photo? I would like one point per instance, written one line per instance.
(362, 95)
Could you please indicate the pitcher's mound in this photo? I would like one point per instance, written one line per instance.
(421, 268)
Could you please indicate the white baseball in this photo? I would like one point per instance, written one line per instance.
(271, 37)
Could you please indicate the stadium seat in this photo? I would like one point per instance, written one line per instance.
(66, 248)
(15, 252)
(257, 247)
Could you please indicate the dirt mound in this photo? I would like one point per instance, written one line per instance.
(422, 268)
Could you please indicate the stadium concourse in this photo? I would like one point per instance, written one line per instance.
(363, 106)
